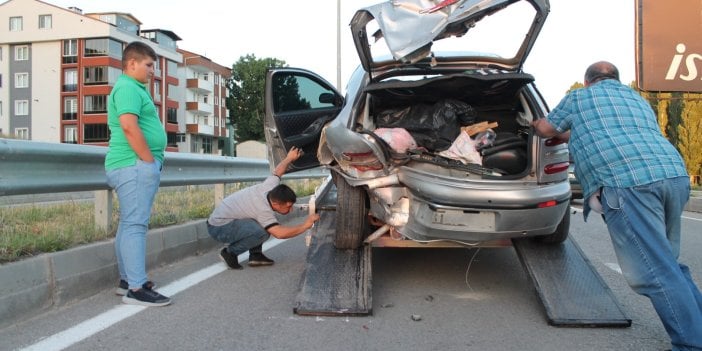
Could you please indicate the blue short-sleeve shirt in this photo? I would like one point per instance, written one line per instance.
(615, 139)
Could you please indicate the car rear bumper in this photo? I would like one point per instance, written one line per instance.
(429, 222)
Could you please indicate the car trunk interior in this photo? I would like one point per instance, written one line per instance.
(433, 110)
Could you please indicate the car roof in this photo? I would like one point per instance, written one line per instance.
(405, 32)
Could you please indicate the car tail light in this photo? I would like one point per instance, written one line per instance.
(556, 167)
(549, 203)
(553, 142)
(362, 161)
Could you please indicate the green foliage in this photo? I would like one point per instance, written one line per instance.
(674, 112)
(28, 231)
(246, 91)
(32, 230)
(689, 133)
(576, 85)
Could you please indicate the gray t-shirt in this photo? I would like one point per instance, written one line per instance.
(251, 202)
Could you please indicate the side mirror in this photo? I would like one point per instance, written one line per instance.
(329, 98)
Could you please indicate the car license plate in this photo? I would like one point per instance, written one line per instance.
(476, 220)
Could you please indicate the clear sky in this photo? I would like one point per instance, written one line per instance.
(303, 34)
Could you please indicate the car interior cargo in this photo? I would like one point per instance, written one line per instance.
(435, 111)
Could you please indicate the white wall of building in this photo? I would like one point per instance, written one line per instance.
(251, 149)
(4, 90)
(46, 102)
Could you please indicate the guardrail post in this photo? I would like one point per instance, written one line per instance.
(103, 209)
(218, 194)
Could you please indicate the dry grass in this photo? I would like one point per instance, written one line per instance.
(34, 229)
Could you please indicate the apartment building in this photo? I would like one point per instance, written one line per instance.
(205, 112)
(58, 66)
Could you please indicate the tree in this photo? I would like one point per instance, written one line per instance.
(674, 110)
(576, 85)
(246, 92)
(689, 133)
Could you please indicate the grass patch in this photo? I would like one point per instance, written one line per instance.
(34, 229)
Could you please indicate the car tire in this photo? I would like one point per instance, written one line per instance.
(351, 214)
(561, 233)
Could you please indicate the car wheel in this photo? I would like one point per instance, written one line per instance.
(561, 233)
(351, 214)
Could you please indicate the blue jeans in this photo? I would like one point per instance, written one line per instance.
(136, 187)
(644, 224)
(241, 235)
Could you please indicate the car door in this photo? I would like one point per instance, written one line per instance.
(298, 103)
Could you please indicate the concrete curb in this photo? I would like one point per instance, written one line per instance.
(35, 285)
(695, 203)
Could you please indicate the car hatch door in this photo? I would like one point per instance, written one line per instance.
(410, 28)
(298, 103)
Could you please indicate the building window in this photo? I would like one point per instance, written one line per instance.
(157, 68)
(157, 91)
(22, 80)
(70, 51)
(15, 24)
(22, 133)
(172, 91)
(195, 144)
(70, 108)
(171, 115)
(21, 107)
(103, 47)
(172, 139)
(171, 68)
(95, 75)
(21, 53)
(70, 80)
(70, 135)
(207, 145)
(44, 21)
(95, 104)
(93, 133)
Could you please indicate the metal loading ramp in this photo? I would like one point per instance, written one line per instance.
(334, 282)
(572, 292)
(338, 282)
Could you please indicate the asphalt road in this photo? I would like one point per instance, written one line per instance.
(467, 300)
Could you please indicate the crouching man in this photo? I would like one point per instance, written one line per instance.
(246, 219)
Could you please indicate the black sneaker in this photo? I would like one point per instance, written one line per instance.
(231, 260)
(145, 297)
(124, 286)
(258, 259)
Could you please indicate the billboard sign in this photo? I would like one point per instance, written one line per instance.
(668, 45)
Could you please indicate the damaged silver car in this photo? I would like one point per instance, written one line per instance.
(433, 136)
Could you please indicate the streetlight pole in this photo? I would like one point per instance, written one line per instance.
(338, 45)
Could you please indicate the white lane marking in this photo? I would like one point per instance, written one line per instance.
(83, 330)
(693, 219)
(577, 209)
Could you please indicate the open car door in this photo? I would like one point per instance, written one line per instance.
(298, 103)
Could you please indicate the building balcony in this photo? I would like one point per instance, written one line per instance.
(200, 86)
(199, 129)
(200, 108)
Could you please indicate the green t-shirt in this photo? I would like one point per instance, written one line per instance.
(130, 96)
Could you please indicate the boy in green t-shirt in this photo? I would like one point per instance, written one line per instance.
(133, 166)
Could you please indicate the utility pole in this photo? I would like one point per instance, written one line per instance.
(338, 45)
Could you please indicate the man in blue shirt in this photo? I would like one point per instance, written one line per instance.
(637, 179)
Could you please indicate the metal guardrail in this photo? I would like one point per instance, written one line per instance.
(31, 167)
